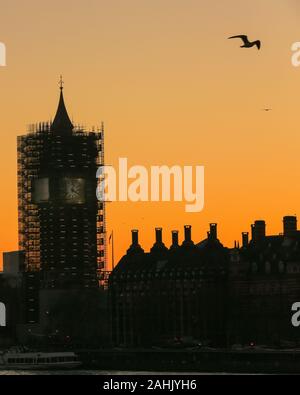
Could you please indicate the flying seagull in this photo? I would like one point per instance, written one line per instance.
(247, 43)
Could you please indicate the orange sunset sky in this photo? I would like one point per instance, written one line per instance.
(171, 89)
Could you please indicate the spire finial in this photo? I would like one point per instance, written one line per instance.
(61, 83)
(62, 122)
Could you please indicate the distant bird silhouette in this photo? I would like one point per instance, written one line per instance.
(247, 43)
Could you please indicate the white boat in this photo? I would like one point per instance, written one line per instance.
(15, 360)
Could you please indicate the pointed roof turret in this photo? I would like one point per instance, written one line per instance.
(62, 122)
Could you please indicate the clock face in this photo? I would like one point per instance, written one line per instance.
(41, 193)
(72, 190)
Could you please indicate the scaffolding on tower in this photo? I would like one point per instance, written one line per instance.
(103, 266)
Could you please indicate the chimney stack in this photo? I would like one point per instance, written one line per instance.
(258, 230)
(187, 236)
(135, 247)
(188, 233)
(245, 238)
(158, 235)
(158, 246)
(213, 231)
(174, 239)
(135, 237)
(289, 225)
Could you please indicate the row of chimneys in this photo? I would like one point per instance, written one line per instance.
(258, 229)
(258, 232)
(212, 234)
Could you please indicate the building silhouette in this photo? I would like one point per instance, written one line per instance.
(204, 293)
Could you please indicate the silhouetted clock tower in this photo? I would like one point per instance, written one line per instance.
(61, 222)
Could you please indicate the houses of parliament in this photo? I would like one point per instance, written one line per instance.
(56, 289)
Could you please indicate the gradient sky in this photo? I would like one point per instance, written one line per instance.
(171, 89)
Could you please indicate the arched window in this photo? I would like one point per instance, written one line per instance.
(2, 314)
(254, 267)
(268, 267)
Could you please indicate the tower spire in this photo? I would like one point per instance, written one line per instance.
(62, 122)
